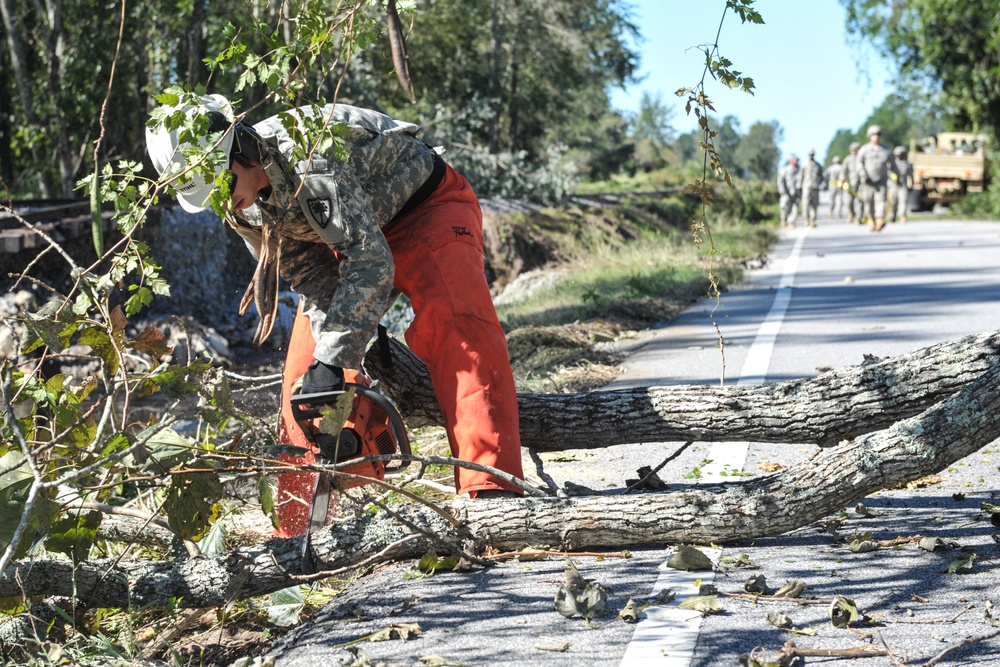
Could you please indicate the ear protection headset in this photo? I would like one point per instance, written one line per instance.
(248, 146)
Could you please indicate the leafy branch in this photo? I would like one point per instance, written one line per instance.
(698, 102)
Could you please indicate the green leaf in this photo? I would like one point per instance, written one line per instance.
(16, 477)
(191, 504)
(164, 451)
(52, 325)
(285, 607)
(843, 612)
(96, 217)
(101, 343)
(74, 535)
(214, 543)
(431, 563)
(266, 498)
(958, 565)
(179, 381)
(168, 99)
(11, 510)
(141, 299)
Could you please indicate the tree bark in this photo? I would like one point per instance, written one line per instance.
(825, 410)
(959, 423)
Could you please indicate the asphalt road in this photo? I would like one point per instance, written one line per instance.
(826, 297)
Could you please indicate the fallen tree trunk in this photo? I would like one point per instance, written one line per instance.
(825, 410)
(914, 447)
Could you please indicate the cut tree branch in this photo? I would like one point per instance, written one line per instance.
(834, 478)
(839, 405)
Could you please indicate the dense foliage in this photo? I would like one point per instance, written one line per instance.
(508, 86)
(949, 45)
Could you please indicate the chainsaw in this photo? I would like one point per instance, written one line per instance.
(373, 427)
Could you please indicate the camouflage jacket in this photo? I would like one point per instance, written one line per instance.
(320, 228)
(811, 175)
(852, 170)
(905, 174)
(875, 163)
(834, 174)
(788, 181)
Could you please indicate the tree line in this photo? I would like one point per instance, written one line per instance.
(510, 84)
(517, 90)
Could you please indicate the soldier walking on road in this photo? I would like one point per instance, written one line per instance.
(875, 163)
(852, 181)
(900, 185)
(788, 192)
(810, 182)
(834, 176)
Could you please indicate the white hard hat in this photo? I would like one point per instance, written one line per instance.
(169, 156)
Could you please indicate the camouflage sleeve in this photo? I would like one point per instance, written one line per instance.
(862, 166)
(345, 300)
(250, 233)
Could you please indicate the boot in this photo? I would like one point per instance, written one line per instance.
(850, 219)
(879, 225)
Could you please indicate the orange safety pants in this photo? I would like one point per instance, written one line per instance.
(437, 249)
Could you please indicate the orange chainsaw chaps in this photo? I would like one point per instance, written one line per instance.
(295, 489)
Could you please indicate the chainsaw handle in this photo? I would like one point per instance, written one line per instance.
(303, 414)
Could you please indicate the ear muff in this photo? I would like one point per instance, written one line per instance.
(248, 147)
(247, 144)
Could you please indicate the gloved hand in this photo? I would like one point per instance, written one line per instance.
(322, 378)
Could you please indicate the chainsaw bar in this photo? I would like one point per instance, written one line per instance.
(306, 407)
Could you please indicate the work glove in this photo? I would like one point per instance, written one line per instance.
(322, 378)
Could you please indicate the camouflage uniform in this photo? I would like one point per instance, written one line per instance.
(834, 175)
(340, 208)
(875, 163)
(345, 233)
(852, 183)
(788, 192)
(810, 182)
(900, 185)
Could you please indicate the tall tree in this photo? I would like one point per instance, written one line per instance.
(525, 68)
(758, 150)
(840, 144)
(652, 132)
(727, 141)
(508, 75)
(893, 119)
(954, 43)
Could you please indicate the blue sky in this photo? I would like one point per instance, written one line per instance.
(807, 76)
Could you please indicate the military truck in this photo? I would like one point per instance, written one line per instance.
(946, 167)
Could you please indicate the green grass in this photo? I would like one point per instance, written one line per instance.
(641, 181)
(655, 269)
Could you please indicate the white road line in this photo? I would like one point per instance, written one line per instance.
(731, 456)
(666, 636)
